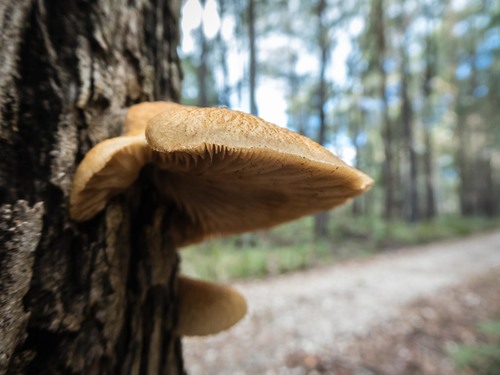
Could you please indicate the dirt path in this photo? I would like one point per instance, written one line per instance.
(322, 310)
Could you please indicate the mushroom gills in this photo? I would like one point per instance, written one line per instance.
(233, 192)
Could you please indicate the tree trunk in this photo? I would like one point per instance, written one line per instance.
(202, 71)
(430, 209)
(430, 201)
(321, 219)
(356, 119)
(410, 184)
(465, 153)
(323, 62)
(97, 297)
(225, 96)
(378, 19)
(253, 57)
(466, 196)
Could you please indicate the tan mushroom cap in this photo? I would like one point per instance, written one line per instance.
(113, 165)
(226, 171)
(230, 172)
(138, 115)
(207, 308)
(107, 169)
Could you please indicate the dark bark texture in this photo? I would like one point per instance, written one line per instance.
(97, 297)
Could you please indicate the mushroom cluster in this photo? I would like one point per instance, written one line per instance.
(225, 171)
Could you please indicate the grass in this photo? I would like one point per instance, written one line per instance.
(483, 357)
(293, 247)
(218, 260)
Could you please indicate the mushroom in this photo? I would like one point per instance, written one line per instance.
(113, 165)
(138, 115)
(207, 308)
(225, 172)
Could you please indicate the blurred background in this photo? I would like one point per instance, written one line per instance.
(406, 91)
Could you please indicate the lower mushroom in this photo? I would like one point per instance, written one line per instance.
(207, 308)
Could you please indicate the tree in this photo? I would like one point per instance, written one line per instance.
(407, 121)
(321, 219)
(202, 70)
(82, 298)
(476, 124)
(223, 54)
(377, 20)
(252, 76)
(429, 74)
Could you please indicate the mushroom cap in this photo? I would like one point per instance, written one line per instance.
(226, 172)
(207, 308)
(229, 172)
(108, 169)
(138, 115)
(113, 165)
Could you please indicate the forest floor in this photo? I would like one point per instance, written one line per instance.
(400, 312)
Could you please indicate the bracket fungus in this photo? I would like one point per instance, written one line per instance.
(225, 172)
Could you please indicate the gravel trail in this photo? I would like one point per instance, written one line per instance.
(322, 310)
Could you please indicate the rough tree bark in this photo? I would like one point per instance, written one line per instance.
(97, 297)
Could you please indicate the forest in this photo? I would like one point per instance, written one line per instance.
(406, 91)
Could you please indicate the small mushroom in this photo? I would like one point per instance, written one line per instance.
(113, 165)
(207, 308)
(226, 171)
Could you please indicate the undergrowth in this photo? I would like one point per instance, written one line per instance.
(484, 357)
(292, 246)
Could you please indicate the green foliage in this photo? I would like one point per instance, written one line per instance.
(292, 246)
(387, 235)
(378, 235)
(492, 328)
(484, 357)
(254, 255)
